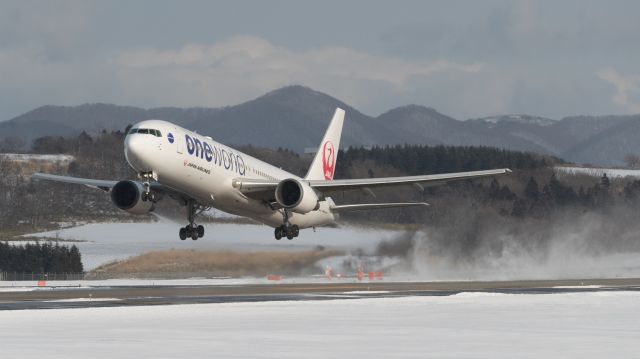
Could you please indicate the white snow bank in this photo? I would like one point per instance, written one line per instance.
(577, 325)
(80, 300)
(598, 172)
(25, 157)
(21, 286)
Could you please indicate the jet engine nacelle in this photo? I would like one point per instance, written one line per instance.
(127, 195)
(296, 196)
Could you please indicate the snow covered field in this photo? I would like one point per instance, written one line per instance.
(598, 172)
(109, 241)
(467, 325)
(25, 286)
(22, 157)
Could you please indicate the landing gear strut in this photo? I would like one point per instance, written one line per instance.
(147, 195)
(192, 230)
(287, 229)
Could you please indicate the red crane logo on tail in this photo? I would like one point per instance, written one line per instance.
(328, 160)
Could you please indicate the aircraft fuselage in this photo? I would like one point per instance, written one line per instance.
(205, 169)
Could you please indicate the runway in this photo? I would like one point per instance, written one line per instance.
(145, 295)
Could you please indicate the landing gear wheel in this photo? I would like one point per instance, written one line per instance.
(278, 233)
(288, 230)
(192, 230)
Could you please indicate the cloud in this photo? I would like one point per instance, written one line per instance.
(626, 87)
(249, 64)
(57, 26)
(219, 74)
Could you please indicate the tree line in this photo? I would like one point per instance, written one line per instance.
(40, 258)
(532, 190)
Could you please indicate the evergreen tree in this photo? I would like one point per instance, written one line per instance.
(531, 191)
(519, 208)
(604, 182)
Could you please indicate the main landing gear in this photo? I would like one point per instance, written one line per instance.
(192, 230)
(287, 229)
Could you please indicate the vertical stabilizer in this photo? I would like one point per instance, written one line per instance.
(324, 163)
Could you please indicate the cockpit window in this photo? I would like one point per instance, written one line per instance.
(146, 131)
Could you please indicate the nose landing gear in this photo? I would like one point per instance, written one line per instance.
(192, 230)
(146, 177)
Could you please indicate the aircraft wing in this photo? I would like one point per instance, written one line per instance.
(264, 189)
(104, 185)
(421, 181)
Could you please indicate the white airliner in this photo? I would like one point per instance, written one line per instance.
(201, 173)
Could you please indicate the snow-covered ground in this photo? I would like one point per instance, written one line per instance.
(25, 286)
(598, 172)
(22, 157)
(110, 241)
(467, 325)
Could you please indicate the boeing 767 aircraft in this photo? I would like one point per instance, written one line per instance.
(201, 173)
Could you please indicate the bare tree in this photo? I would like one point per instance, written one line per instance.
(632, 160)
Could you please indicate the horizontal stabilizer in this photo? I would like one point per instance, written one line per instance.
(368, 206)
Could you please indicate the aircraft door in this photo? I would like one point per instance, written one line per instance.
(179, 140)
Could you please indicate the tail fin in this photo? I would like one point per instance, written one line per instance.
(324, 164)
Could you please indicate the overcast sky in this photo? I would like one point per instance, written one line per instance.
(464, 58)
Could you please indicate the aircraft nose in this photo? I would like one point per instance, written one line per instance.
(135, 152)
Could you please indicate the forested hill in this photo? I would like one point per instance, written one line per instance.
(102, 157)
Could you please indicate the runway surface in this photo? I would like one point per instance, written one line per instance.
(136, 295)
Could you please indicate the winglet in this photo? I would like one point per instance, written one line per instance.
(324, 163)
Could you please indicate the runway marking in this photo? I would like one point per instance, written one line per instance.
(185, 294)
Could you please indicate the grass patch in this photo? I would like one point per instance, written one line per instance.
(173, 263)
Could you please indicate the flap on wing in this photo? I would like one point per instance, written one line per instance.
(256, 188)
(426, 180)
(368, 206)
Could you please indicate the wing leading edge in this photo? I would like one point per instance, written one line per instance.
(104, 185)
